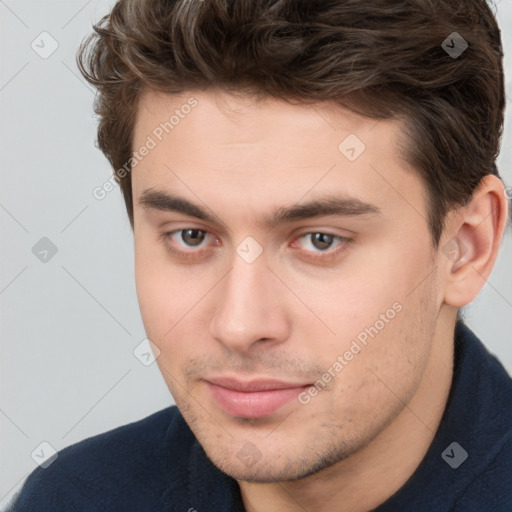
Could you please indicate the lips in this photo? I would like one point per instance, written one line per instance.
(253, 399)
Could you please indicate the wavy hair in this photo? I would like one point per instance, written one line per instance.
(381, 58)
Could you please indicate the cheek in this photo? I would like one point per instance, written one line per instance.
(380, 378)
(161, 308)
(156, 290)
(150, 292)
(170, 301)
(384, 324)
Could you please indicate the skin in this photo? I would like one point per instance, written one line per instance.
(288, 315)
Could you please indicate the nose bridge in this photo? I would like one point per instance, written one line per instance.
(245, 307)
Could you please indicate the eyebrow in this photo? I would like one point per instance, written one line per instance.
(327, 205)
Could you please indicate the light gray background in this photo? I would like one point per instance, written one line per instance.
(70, 325)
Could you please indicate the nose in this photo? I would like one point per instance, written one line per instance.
(250, 307)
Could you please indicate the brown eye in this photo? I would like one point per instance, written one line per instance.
(186, 245)
(321, 247)
(193, 237)
(322, 241)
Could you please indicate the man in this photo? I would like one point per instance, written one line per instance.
(313, 194)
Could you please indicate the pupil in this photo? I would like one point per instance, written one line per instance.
(322, 240)
(192, 236)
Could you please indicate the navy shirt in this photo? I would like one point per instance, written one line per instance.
(156, 464)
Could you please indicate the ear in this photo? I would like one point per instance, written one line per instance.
(472, 240)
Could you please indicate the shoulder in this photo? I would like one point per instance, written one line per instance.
(491, 488)
(484, 375)
(484, 420)
(102, 471)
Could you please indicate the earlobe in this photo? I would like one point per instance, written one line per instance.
(476, 234)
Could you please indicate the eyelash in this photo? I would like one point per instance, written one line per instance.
(321, 256)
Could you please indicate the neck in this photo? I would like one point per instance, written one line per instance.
(369, 477)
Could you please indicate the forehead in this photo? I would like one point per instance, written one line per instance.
(218, 116)
(267, 152)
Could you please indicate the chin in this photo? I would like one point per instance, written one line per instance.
(274, 465)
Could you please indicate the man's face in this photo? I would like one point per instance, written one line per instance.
(249, 314)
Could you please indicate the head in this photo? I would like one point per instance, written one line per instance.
(307, 184)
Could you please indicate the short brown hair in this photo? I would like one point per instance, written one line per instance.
(382, 58)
